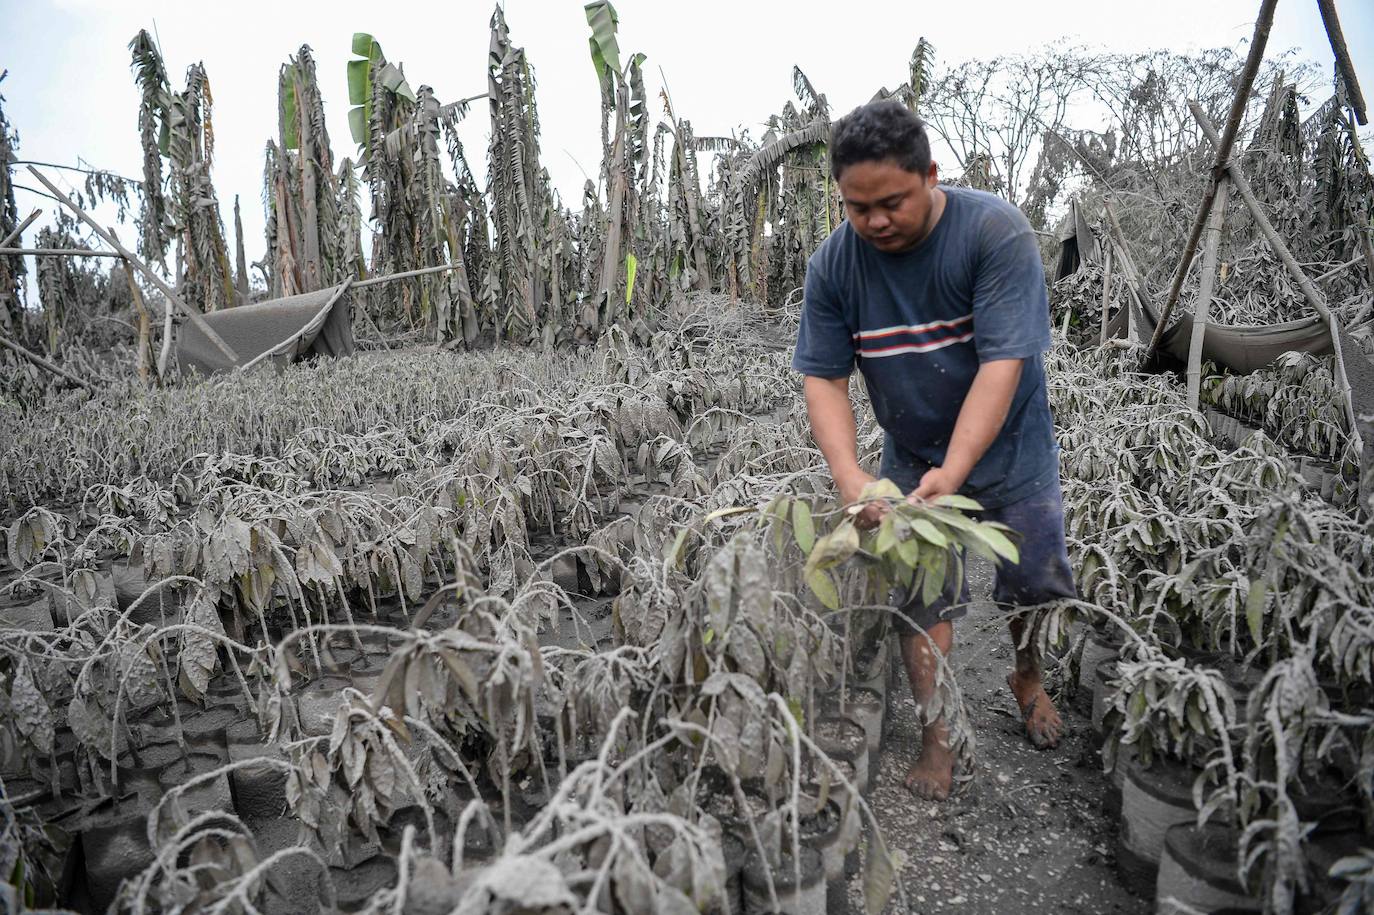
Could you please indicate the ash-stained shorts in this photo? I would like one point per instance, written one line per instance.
(1042, 575)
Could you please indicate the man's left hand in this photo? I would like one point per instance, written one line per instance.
(936, 482)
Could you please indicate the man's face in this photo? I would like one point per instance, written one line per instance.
(888, 205)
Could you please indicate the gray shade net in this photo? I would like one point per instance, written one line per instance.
(252, 330)
(1240, 350)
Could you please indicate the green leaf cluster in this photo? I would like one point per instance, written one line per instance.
(918, 546)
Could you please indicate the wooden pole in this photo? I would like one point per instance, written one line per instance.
(1223, 153)
(143, 268)
(19, 229)
(376, 280)
(1106, 293)
(1202, 312)
(1309, 291)
(58, 252)
(1342, 55)
(338, 293)
(43, 363)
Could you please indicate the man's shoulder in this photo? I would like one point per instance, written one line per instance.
(988, 214)
(835, 253)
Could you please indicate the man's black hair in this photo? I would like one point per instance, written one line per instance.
(880, 130)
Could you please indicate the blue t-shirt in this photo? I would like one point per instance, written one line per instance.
(919, 323)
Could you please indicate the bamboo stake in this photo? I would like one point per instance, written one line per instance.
(19, 229)
(43, 363)
(1342, 55)
(1309, 291)
(143, 268)
(1202, 312)
(58, 252)
(1223, 153)
(1335, 270)
(1106, 294)
(324, 310)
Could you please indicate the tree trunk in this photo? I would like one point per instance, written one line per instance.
(311, 271)
(240, 259)
(144, 358)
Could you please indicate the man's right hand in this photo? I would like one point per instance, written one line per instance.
(851, 487)
(832, 424)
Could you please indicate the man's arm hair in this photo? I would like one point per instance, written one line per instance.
(833, 426)
(982, 415)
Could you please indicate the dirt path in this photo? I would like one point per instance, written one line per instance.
(1028, 834)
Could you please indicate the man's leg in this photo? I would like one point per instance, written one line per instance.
(1044, 727)
(1042, 575)
(933, 773)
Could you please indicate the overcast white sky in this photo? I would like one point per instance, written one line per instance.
(728, 63)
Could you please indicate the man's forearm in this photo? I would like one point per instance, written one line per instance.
(982, 415)
(832, 424)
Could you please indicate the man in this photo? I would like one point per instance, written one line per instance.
(939, 295)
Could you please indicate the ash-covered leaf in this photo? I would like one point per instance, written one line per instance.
(32, 716)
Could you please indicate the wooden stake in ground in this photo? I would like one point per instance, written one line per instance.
(1309, 291)
(1106, 293)
(1223, 150)
(1201, 312)
(143, 268)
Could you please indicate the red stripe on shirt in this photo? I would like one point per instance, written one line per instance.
(912, 329)
(918, 347)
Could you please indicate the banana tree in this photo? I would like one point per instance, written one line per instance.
(11, 266)
(155, 221)
(520, 201)
(689, 267)
(305, 248)
(208, 273)
(415, 208)
(624, 150)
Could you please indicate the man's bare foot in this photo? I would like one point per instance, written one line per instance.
(933, 774)
(1044, 727)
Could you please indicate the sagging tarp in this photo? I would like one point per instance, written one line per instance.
(1241, 349)
(1077, 244)
(252, 330)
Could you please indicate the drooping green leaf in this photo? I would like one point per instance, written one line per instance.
(834, 548)
(1254, 609)
(286, 101)
(880, 872)
(821, 585)
(954, 500)
(602, 17)
(929, 532)
(803, 529)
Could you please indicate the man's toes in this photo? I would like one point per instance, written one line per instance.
(927, 786)
(1045, 730)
